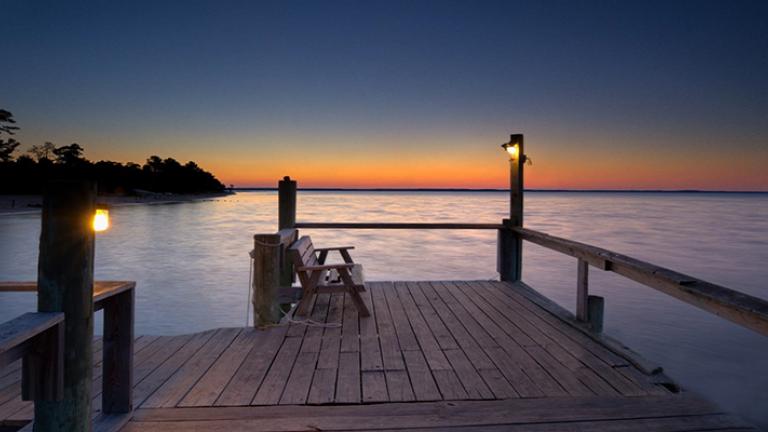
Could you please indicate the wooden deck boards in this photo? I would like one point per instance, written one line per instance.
(504, 362)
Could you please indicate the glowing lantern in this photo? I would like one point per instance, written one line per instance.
(101, 220)
(513, 147)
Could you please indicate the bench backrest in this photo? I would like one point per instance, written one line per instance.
(303, 252)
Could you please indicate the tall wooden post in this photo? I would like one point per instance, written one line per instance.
(266, 278)
(117, 352)
(65, 284)
(286, 194)
(510, 245)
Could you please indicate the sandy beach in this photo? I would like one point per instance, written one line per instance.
(20, 204)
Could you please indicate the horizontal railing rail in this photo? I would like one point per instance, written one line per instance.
(743, 309)
(399, 225)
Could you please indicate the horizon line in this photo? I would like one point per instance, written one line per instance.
(341, 189)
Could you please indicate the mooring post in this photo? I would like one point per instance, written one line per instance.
(596, 308)
(286, 195)
(65, 284)
(266, 279)
(510, 245)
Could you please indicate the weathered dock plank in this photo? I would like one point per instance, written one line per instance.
(432, 355)
(582, 414)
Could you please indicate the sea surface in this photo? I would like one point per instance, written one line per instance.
(191, 264)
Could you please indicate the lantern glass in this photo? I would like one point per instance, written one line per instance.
(513, 150)
(101, 220)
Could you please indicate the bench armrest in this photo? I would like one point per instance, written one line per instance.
(334, 248)
(325, 267)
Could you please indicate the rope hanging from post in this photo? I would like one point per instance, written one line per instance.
(250, 282)
(265, 244)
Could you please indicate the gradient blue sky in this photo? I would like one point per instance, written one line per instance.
(610, 94)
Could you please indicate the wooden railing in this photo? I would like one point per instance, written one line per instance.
(117, 299)
(38, 339)
(399, 225)
(743, 309)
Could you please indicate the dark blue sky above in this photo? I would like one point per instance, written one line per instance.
(682, 77)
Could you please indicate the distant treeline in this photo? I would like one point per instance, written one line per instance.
(28, 173)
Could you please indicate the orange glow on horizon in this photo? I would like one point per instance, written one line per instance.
(457, 162)
(594, 174)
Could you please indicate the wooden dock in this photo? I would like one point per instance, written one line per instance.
(458, 355)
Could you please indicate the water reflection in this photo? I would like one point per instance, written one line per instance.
(191, 263)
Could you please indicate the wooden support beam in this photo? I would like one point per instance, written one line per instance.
(399, 225)
(42, 376)
(65, 284)
(582, 291)
(596, 309)
(117, 382)
(266, 278)
(286, 195)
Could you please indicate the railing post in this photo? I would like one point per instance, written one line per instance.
(43, 368)
(286, 194)
(510, 245)
(266, 278)
(117, 354)
(65, 284)
(596, 306)
(582, 291)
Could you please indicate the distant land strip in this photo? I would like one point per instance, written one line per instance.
(640, 191)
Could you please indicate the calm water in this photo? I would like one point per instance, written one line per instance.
(191, 264)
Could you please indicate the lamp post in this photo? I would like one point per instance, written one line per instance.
(516, 161)
(510, 253)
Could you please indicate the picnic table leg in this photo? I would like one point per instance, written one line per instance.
(362, 309)
(310, 286)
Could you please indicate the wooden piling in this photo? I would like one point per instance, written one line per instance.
(286, 193)
(117, 382)
(65, 284)
(510, 245)
(596, 308)
(266, 279)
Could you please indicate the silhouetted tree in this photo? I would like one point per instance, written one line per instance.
(69, 155)
(6, 122)
(26, 175)
(7, 147)
(43, 151)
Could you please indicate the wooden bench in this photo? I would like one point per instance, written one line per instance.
(317, 277)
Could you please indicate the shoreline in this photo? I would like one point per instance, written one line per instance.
(31, 204)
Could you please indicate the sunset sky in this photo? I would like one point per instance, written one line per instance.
(609, 94)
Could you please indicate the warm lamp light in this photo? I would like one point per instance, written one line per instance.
(513, 146)
(512, 149)
(101, 220)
